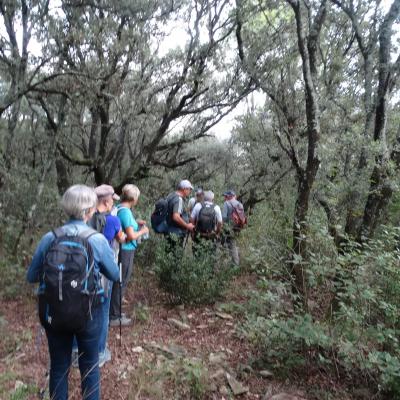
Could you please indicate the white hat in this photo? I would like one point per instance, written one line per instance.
(185, 184)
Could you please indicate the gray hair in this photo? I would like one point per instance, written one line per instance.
(78, 200)
(130, 193)
(208, 196)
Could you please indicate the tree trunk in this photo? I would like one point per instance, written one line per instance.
(99, 175)
(63, 175)
(299, 246)
(381, 190)
(378, 199)
(306, 177)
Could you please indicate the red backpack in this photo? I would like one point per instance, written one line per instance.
(238, 217)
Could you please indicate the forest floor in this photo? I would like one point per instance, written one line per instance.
(201, 356)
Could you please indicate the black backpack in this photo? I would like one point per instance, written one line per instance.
(69, 284)
(98, 221)
(206, 219)
(161, 216)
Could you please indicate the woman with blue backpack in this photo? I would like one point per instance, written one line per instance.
(67, 264)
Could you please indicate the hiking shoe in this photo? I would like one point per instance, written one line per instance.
(104, 357)
(125, 321)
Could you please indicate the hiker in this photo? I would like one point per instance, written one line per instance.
(207, 218)
(198, 198)
(231, 208)
(79, 203)
(133, 229)
(177, 219)
(110, 226)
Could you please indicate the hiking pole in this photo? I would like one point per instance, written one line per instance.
(186, 239)
(120, 304)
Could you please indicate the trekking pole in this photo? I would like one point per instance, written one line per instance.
(186, 239)
(120, 304)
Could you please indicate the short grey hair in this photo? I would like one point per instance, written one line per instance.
(78, 200)
(130, 193)
(208, 195)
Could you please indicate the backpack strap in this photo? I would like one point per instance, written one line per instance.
(231, 209)
(199, 213)
(87, 233)
(58, 232)
(170, 208)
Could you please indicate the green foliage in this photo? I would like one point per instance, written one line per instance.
(145, 255)
(193, 375)
(266, 242)
(24, 392)
(20, 392)
(142, 313)
(178, 378)
(12, 344)
(5, 379)
(188, 278)
(13, 278)
(359, 338)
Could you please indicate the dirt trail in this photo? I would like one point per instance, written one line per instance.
(157, 359)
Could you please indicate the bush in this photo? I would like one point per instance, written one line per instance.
(265, 242)
(13, 278)
(188, 279)
(158, 377)
(359, 340)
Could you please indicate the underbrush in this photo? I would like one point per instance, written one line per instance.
(20, 391)
(13, 280)
(159, 377)
(188, 278)
(350, 327)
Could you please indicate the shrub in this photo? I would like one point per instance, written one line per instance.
(360, 339)
(158, 377)
(13, 278)
(199, 279)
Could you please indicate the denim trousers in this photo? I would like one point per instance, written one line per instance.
(104, 328)
(60, 348)
(126, 258)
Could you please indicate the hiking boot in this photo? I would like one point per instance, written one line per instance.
(124, 321)
(104, 357)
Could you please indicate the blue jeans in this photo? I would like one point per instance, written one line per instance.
(106, 311)
(60, 348)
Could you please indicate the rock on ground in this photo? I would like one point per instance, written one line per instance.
(284, 396)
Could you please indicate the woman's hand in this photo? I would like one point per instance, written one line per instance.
(144, 229)
(141, 222)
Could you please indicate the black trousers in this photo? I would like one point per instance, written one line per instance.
(126, 258)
